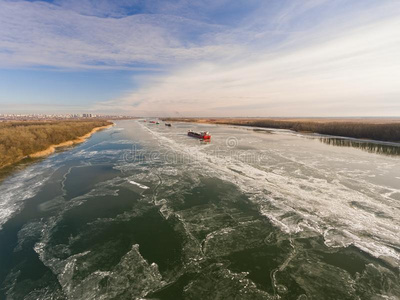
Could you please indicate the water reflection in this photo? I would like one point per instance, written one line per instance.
(365, 146)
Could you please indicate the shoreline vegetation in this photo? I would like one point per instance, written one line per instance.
(385, 130)
(26, 139)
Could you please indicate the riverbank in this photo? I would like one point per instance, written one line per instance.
(51, 149)
(21, 140)
(379, 129)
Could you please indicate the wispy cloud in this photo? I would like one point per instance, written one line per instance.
(220, 57)
(43, 34)
(346, 72)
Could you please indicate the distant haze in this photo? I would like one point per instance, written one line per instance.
(201, 58)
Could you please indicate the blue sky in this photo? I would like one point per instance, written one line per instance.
(201, 58)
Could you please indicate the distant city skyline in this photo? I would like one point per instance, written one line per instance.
(33, 117)
(222, 58)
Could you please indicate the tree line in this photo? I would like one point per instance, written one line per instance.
(20, 139)
(389, 132)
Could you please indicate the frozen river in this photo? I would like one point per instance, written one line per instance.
(144, 211)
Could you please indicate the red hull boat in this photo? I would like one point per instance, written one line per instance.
(203, 135)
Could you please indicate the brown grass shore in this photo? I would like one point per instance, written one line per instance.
(52, 148)
(21, 140)
(379, 129)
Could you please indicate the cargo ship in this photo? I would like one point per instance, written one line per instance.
(203, 135)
